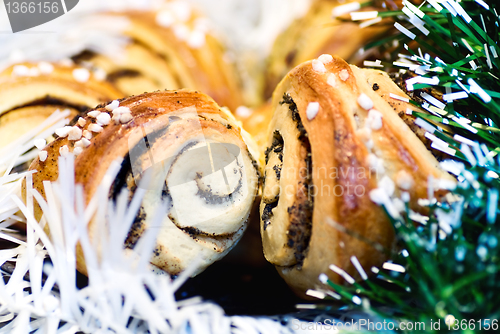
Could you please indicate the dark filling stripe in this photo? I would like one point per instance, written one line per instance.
(300, 213)
(125, 181)
(51, 101)
(268, 213)
(125, 73)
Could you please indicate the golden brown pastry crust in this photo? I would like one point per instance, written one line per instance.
(337, 140)
(204, 67)
(115, 140)
(136, 71)
(17, 122)
(256, 124)
(383, 85)
(312, 35)
(60, 85)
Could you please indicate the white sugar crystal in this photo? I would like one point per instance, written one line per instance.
(103, 119)
(312, 110)
(94, 113)
(181, 32)
(378, 196)
(196, 39)
(325, 58)
(21, 71)
(365, 135)
(125, 118)
(374, 120)
(81, 74)
(375, 164)
(42, 155)
(75, 133)
(344, 75)
(84, 142)
(63, 132)
(202, 24)
(243, 111)
(332, 81)
(121, 110)
(45, 67)
(95, 128)
(116, 118)
(64, 150)
(78, 150)
(113, 105)
(181, 10)
(122, 115)
(165, 19)
(100, 74)
(82, 121)
(318, 66)
(40, 143)
(87, 134)
(365, 102)
(369, 144)
(404, 180)
(387, 184)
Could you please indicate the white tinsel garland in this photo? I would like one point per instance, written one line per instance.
(123, 294)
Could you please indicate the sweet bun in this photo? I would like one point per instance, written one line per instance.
(336, 150)
(198, 163)
(169, 48)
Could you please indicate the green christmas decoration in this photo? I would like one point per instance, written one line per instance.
(445, 274)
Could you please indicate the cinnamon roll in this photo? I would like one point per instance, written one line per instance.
(193, 152)
(332, 141)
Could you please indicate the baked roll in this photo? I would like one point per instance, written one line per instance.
(314, 34)
(332, 141)
(31, 92)
(165, 45)
(199, 168)
(196, 59)
(137, 70)
(172, 47)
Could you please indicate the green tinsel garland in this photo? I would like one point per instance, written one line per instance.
(448, 268)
